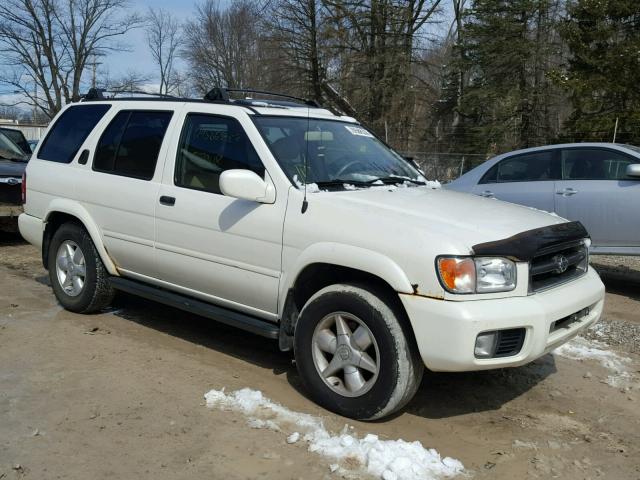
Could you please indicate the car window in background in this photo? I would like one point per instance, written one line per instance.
(594, 164)
(18, 138)
(70, 131)
(209, 145)
(530, 167)
(9, 150)
(131, 143)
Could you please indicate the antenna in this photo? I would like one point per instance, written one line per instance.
(305, 204)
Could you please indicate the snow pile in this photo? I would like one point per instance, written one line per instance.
(581, 348)
(386, 459)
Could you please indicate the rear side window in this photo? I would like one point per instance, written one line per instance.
(532, 167)
(131, 143)
(70, 131)
(209, 145)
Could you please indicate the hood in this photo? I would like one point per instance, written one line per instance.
(9, 168)
(470, 219)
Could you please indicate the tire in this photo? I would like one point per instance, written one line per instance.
(93, 292)
(391, 346)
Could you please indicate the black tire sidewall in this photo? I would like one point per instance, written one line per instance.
(78, 235)
(373, 401)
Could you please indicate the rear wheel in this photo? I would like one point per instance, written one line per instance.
(354, 353)
(78, 277)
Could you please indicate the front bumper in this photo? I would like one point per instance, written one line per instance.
(446, 331)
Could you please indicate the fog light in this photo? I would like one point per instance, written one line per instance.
(486, 344)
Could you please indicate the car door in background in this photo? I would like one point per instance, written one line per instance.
(596, 191)
(527, 179)
(226, 250)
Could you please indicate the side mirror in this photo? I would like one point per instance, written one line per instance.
(633, 170)
(246, 185)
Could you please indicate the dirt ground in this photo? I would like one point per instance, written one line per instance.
(120, 395)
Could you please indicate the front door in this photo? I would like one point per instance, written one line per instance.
(219, 248)
(526, 179)
(596, 191)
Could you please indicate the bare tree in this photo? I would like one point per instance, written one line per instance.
(130, 81)
(294, 35)
(163, 39)
(48, 44)
(222, 45)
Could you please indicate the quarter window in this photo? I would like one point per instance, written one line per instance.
(594, 164)
(131, 143)
(208, 146)
(70, 131)
(531, 167)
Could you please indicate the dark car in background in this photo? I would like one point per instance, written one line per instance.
(14, 155)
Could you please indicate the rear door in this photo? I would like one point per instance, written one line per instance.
(527, 179)
(119, 186)
(596, 191)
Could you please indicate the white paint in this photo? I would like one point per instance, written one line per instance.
(386, 459)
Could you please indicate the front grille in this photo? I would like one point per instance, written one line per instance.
(556, 265)
(509, 342)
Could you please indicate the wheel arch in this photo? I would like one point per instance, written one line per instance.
(327, 264)
(62, 211)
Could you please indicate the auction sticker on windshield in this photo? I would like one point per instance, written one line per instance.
(358, 131)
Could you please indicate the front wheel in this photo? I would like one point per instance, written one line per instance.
(354, 354)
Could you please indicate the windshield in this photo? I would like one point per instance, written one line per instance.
(336, 153)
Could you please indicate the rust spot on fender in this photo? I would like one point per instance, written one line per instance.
(418, 293)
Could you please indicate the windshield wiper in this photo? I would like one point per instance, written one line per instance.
(340, 182)
(391, 179)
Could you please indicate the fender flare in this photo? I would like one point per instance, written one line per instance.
(74, 209)
(348, 256)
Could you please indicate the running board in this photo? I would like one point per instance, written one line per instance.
(214, 312)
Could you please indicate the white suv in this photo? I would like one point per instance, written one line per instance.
(291, 222)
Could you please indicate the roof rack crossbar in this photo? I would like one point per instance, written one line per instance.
(222, 94)
(98, 94)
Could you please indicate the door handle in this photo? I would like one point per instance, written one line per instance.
(567, 192)
(169, 201)
(84, 156)
(487, 193)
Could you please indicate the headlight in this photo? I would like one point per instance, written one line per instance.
(476, 275)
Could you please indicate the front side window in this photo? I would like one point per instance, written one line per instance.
(594, 164)
(531, 167)
(131, 143)
(70, 131)
(208, 146)
(331, 152)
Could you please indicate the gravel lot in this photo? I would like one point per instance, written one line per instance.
(120, 395)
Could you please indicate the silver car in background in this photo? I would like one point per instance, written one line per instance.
(597, 184)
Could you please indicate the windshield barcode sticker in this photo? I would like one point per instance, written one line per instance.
(358, 131)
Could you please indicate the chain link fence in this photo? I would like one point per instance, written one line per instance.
(445, 167)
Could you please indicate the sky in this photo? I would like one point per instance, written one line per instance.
(138, 58)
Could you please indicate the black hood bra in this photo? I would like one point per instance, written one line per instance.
(532, 243)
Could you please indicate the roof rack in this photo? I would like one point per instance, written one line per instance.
(219, 94)
(215, 95)
(98, 94)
